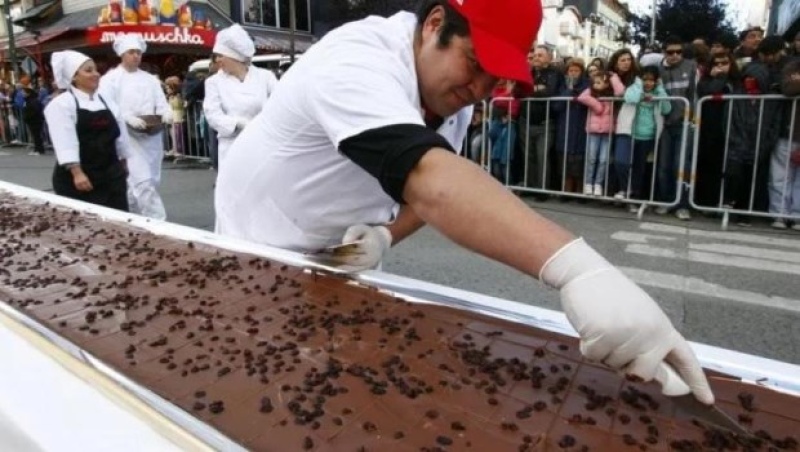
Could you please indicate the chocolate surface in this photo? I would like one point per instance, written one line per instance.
(279, 358)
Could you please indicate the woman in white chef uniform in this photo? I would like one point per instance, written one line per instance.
(238, 91)
(138, 93)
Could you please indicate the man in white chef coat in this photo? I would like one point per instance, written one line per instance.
(138, 93)
(357, 143)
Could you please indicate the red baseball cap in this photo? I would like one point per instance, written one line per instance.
(502, 33)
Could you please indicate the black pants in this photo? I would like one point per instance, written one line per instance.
(36, 130)
(110, 193)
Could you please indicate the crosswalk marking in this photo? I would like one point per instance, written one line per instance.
(698, 286)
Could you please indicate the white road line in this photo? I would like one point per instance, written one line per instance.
(751, 238)
(715, 259)
(699, 286)
(747, 251)
(637, 237)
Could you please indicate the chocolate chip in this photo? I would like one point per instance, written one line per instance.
(444, 440)
(399, 435)
(566, 441)
(308, 443)
(458, 426)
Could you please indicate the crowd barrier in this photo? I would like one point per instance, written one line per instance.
(741, 158)
(554, 154)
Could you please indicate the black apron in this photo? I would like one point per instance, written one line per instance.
(97, 134)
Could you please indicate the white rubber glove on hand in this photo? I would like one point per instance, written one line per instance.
(136, 123)
(619, 324)
(373, 241)
(167, 118)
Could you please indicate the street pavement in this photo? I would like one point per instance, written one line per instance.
(737, 289)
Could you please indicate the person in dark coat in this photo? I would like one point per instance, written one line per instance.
(33, 116)
(722, 78)
(570, 145)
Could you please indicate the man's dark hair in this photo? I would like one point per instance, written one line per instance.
(771, 45)
(673, 41)
(454, 23)
(744, 33)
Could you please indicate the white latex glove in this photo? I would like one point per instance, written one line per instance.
(373, 241)
(166, 118)
(136, 123)
(619, 324)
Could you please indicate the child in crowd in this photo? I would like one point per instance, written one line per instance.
(647, 126)
(571, 134)
(600, 127)
(503, 128)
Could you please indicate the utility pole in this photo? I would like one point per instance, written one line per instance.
(12, 50)
(292, 28)
(653, 24)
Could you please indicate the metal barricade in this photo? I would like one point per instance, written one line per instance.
(755, 175)
(196, 133)
(560, 172)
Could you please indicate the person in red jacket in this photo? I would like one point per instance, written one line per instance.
(503, 128)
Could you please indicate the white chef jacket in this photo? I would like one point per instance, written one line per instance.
(61, 115)
(139, 93)
(228, 98)
(285, 183)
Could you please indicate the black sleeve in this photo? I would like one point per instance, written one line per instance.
(390, 153)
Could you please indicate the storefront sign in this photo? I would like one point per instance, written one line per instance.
(157, 34)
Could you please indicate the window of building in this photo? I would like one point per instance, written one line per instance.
(275, 13)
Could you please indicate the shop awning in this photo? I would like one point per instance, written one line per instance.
(278, 41)
(37, 13)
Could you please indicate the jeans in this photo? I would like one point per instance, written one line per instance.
(537, 151)
(784, 180)
(596, 159)
(668, 166)
(622, 160)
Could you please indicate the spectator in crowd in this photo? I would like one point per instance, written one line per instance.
(599, 63)
(139, 95)
(194, 93)
(651, 56)
(787, 199)
(723, 78)
(474, 139)
(238, 91)
(679, 77)
(648, 123)
(794, 46)
(571, 133)
(539, 145)
(599, 127)
(701, 54)
(753, 135)
(33, 115)
(624, 70)
(503, 128)
(88, 133)
(771, 65)
(723, 44)
(176, 103)
(748, 46)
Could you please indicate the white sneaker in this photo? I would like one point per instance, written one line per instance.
(598, 190)
(619, 195)
(683, 214)
(778, 224)
(661, 210)
(587, 189)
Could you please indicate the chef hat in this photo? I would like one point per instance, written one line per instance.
(65, 64)
(129, 42)
(234, 42)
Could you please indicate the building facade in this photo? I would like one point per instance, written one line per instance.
(178, 32)
(584, 28)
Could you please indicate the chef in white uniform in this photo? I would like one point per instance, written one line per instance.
(238, 91)
(138, 93)
(350, 134)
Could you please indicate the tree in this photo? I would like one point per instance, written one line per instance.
(340, 11)
(688, 19)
